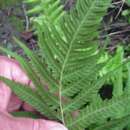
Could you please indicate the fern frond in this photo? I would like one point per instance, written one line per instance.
(47, 10)
(124, 121)
(70, 55)
(31, 97)
(99, 111)
(75, 39)
(71, 49)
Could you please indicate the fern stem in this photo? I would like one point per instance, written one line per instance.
(61, 107)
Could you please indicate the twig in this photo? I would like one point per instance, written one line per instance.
(123, 2)
(26, 17)
(114, 33)
(118, 2)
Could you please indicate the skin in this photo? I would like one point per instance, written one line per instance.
(11, 69)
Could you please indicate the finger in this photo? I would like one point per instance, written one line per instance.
(5, 94)
(11, 69)
(5, 91)
(50, 125)
(14, 104)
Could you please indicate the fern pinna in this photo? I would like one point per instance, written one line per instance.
(69, 65)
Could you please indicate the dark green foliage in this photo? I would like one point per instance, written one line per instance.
(7, 3)
(124, 121)
(70, 64)
(25, 114)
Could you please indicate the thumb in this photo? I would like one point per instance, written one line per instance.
(13, 123)
(49, 125)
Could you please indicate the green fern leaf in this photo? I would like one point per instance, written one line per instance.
(47, 10)
(77, 38)
(31, 97)
(25, 114)
(99, 111)
(124, 121)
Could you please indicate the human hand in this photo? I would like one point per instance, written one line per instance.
(11, 69)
